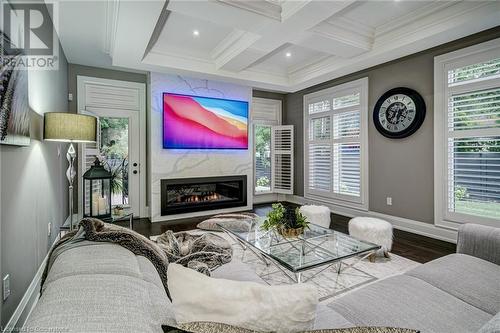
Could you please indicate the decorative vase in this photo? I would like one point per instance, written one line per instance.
(290, 232)
(118, 211)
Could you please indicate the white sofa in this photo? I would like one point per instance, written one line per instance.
(105, 288)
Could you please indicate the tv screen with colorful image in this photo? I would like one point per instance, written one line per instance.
(192, 122)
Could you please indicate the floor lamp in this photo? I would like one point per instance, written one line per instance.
(72, 128)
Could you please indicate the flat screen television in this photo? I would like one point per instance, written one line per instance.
(192, 122)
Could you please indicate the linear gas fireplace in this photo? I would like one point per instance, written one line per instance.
(186, 195)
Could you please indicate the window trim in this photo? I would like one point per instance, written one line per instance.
(442, 64)
(361, 202)
(264, 122)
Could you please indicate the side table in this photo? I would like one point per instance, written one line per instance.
(127, 215)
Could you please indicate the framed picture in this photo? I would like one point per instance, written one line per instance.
(14, 106)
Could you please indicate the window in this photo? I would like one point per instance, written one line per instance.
(467, 135)
(336, 147)
(273, 148)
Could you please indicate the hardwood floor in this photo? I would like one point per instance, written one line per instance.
(412, 246)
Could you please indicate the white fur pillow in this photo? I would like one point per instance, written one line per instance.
(236, 222)
(198, 298)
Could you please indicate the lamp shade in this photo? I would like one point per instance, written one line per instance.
(69, 127)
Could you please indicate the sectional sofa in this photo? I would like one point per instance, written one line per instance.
(103, 287)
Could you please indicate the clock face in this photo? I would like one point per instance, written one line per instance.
(399, 113)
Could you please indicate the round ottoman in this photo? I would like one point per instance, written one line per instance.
(372, 230)
(319, 215)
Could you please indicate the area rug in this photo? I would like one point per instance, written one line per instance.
(328, 282)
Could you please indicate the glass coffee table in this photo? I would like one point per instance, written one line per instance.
(316, 247)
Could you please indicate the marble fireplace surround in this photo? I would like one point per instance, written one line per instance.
(182, 163)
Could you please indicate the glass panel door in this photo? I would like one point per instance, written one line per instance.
(114, 150)
(118, 149)
(262, 158)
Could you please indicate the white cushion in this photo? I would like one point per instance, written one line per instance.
(284, 308)
(319, 215)
(372, 230)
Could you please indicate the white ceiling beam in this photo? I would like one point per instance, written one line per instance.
(136, 21)
(262, 7)
(232, 46)
(111, 23)
(221, 14)
(338, 36)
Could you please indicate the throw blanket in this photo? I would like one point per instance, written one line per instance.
(199, 252)
(203, 252)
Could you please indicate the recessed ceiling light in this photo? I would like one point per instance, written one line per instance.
(288, 54)
(196, 33)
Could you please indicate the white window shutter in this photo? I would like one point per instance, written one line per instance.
(282, 152)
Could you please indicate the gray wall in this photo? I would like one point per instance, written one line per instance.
(33, 188)
(402, 169)
(103, 73)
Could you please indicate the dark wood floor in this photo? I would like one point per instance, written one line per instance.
(412, 246)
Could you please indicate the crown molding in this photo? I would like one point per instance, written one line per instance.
(443, 15)
(415, 15)
(233, 45)
(172, 62)
(347, 32)
(267, 8)
(309, 64)
(290, 7)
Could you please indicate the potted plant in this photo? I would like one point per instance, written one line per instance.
(288, 222)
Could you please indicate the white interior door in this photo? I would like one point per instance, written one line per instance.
(120, 107)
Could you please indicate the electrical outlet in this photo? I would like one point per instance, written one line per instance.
(6, 287)
(70, 97)
(389, 201)
(49, 229)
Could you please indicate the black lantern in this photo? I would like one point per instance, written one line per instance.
(97, 192)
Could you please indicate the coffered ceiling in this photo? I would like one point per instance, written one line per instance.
(282, 45)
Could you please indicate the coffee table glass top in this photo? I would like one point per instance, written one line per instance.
(317, 246)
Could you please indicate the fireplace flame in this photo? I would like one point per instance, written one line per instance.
(211, 196)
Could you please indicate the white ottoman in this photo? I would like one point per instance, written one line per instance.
(319, 215)
(372, 230)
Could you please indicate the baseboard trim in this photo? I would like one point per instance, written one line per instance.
(400, 223)
(29, 300)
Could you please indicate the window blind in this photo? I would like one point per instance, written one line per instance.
(282, 151)
(334, 145)
(473, 140)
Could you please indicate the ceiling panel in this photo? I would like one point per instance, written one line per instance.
(326, 39)
(83, 40)
(177, 36)
(279, 62)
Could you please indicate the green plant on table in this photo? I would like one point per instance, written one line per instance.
(284, 218)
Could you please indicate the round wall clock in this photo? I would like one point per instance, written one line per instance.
(399, 113)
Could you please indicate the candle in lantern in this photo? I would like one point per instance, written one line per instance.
(95, 204)
(102, 206)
